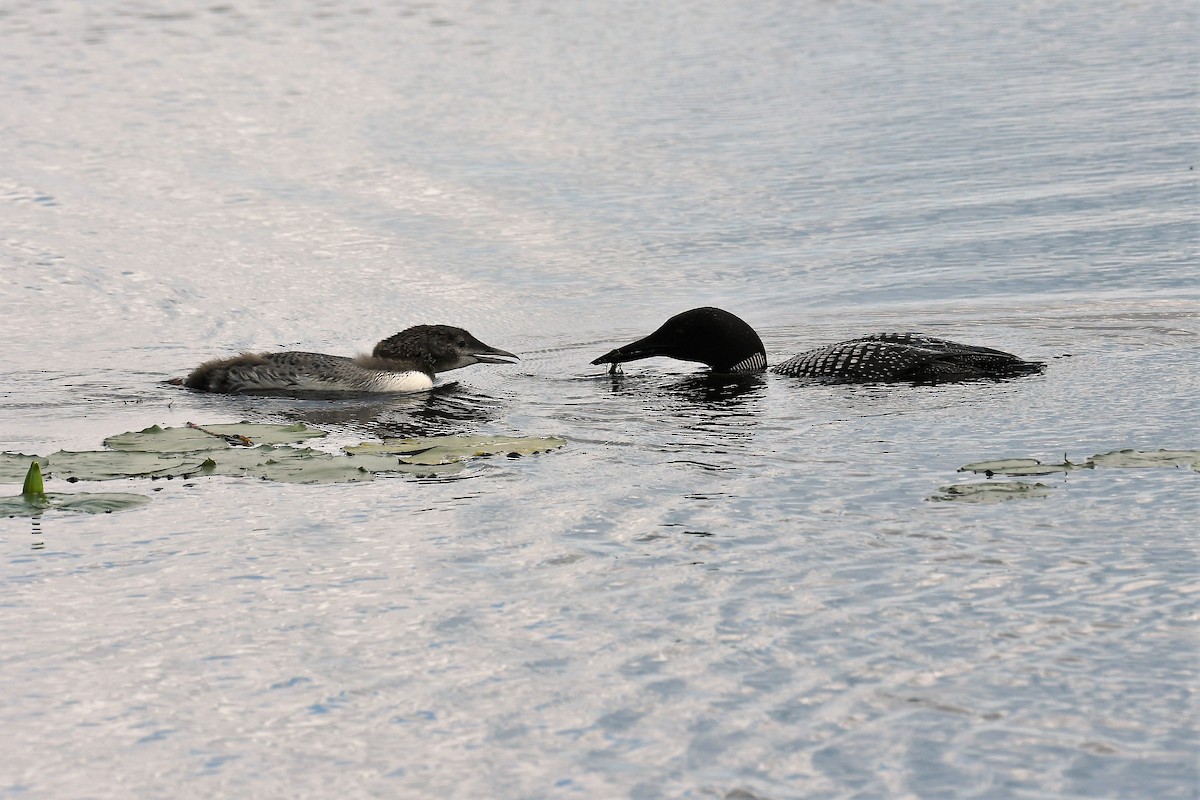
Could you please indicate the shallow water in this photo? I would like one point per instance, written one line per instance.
(715, 590)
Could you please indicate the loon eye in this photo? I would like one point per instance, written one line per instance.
(462, 343)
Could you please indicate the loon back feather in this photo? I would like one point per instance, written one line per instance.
(889, 357)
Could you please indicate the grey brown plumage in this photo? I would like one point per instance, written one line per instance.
(404, 362)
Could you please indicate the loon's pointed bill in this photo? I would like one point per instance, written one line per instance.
(634, 351)
(727, 344)
(405, 362)
(494, 355)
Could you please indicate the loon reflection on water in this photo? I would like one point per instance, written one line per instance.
(405, 362)
(727, 344)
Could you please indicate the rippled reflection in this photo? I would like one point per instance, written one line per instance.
(703, 388)
(449, 409)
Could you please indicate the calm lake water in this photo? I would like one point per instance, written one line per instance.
(713, 591)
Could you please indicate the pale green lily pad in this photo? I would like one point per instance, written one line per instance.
(397, 448)
(375, 462)
(15, 466)
(295, 465)
(107, 465)
(1148, 458)
(430, 470)
(195, 438)
(1043, 469)
(34, 499)
(991, 491)
(999, 465)
(83, 502)
(286, 464)
(1117, 458)
(263, 451)
(1021, 466)
(448, 449)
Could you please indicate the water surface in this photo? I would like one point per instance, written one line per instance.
(715, 590)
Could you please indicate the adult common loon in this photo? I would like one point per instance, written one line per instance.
(727, 344)
(405, 362)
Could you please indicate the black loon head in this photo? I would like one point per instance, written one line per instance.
(709, 335)
(439, 348)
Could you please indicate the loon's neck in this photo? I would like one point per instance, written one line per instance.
(399, 365)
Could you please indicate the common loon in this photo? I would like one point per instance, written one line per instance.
(727, 344)
(405, 362)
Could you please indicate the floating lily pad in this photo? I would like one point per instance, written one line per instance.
(991, 491)
(286, 464)
(265, 451)
(34, 499)
(107, 465)
(448, 449)
(1148, 458)
(83, 502)
(196, 438)
(376, 462)
(1022, 466)
(1000, 465)
(1117, 458)
(15, 466)
(1000, 490)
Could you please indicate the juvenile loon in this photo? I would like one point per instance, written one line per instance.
(727, 344)
(405, 362)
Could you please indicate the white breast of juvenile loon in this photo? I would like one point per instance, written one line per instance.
(356, 379)
(411, 381)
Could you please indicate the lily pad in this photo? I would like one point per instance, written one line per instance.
(83, 502)
(286, 464)
(991, 491)
(265, 451)
(999, 465)
(1022, 466)
(1116, 458)
(34, 499)
(195, 438)
(378, 462)
(107, 465)
(15, 466)
(1148, 458)
(448, 449)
